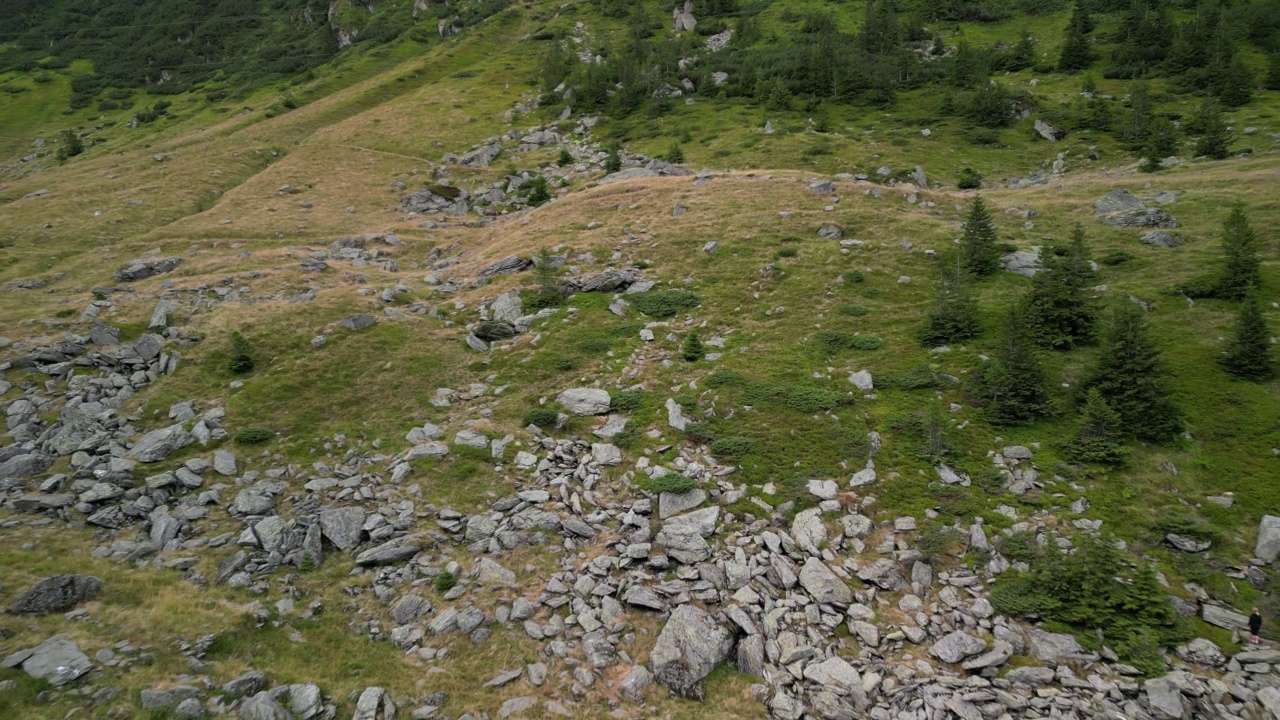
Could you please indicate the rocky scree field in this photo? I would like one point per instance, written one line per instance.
(438, 396)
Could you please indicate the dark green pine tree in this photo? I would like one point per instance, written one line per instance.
(1012, 388)
(1136, 129)
(1240, 245)
(1130, 377)
(1235, 87)
(693, 350)
(1248, 352)
(955, 314)
(1076, 54)
(1273, 71)
(1022, 55)
(1099, 437)
(1214, 136)
(1059, 311)
(978, 244)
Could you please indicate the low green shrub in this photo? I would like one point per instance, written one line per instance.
(671, 484)
(252, 436)
(630, 401)
(726, 378)
(699, 433)
(595, 346)
(543, 417)
(445, 581)
(664, 303)
(732, 447)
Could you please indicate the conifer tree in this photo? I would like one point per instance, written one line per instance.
(1076, 54)
(1214, 135)
(1023, 54)
(1059, 312)
(1012, 387)
(613, 161)
(693, 350)
(1273, 71)
(1098, 436)
(1137, 123)
(1248, 352)
(1235, 87)
(979, 241)
(1240, 245)
(955, 314)
(1130, 377)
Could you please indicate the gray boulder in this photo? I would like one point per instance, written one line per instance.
(1224, 618)
(1268, 547)
(55, 594)
(159, 444)
(1162, 239)
(1164, 698)
(823, 585)
(57, 661)
(1049, 647)
(584, 401)
(392, 551)
(374, 704)
(956, 647)
(673, 503)
(689, 647)
(884, 574)
(1023, 262)
(507, 307)
(24, 466)
(357, 322)
(1121, 209)
(144, 268)
(263, 707)
(342, 526)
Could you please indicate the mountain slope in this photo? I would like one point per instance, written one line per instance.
(290, 222)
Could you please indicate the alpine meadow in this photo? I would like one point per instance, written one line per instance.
(631, 359)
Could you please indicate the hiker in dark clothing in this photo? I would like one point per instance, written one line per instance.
(1255, 626)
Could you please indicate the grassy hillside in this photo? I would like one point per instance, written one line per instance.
(245, 187)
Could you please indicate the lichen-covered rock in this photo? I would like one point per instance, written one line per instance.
(689, 647)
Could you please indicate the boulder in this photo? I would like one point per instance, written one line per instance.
(1048, 132)
(1023, 262)
(1268, 547)
(689, 647)
(1121, 209)
(1164, 698)
(673, 503)
(374, 704)
(490, 331)
(956, 647)
(884, 574)
(1161, 238)
(143, 268)
(159, 444)
(57, 661)
(392, 551)
(1224, 618)
(823, 585)
(834, 672)
(59, 593)
(584, 401)
(1049, 647)
(263, 707)
(357, 322)
(507, 307)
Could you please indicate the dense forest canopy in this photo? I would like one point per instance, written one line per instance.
(173, 46)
